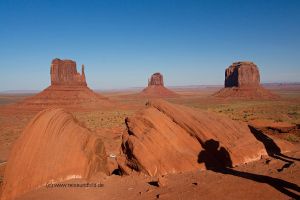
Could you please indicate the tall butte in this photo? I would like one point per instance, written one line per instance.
(242, 80)
(64, 72)
(156, 87)
(68, 89)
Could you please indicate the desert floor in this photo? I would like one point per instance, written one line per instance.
(256, 180)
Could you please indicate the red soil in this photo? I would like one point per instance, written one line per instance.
(157, 91)
(66, 96)
(245, 93)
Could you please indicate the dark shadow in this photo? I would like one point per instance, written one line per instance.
(154, 183)
(272, 149)
(117, 172)
(213, 157)
(217, 159)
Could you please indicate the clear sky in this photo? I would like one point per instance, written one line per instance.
(123, 42)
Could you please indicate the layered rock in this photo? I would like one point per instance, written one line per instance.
(272, 127)
(166, 138)
(53, 147)
(156, 79)
(156, 87)
(64, 72)
(242, 80)
(242, 74)
(68, 89)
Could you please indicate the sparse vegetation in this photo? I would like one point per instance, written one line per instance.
(103, 119)
(286, 109)
(292, 138)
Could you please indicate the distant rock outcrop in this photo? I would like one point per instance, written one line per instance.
(156, 79)
(156, 87)
(53, 147)
(64, 72)
(242, 80)
(166, 138)
(68, 89)
(242, 74)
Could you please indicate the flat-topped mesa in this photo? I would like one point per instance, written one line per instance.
(242, 80)
(156, 88)
(64, 72)
(242, 74)
(156, 79)
(68, 89)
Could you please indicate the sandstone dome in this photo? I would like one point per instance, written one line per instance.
(53, 147)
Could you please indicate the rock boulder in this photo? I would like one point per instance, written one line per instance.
(167, 138)
(53, 147)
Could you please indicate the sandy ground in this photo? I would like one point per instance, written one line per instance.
(257, 180)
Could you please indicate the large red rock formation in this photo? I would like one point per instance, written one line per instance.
(156, 87)
(64, 72)
(156, 79)
(242, 80)
(166, 138)
(53, 147)
(68, 89)
(242, 74)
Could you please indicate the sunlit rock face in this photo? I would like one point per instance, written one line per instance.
(53, 147)
(64, 72)
(242, 80)
(68, 89)
(166, 138)
(156, 88)
(242, 74)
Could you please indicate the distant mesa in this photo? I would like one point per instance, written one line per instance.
(53, 147)
(156, 79)
(68, 89)
(242, 74)
(156, 87)
(242, 80)
(64, 72)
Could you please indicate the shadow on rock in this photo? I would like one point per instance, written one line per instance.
(217, 159)
(272, 148)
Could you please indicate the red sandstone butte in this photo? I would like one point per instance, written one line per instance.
(53, 147)
(64, 72)
(242, 74)
(242, 80)
(166, 138)
(156, 87)
(68, 89)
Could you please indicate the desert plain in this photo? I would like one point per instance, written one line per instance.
(272, 176)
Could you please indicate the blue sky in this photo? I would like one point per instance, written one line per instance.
(123, 42)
